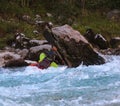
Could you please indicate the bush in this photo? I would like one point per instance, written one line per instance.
(8, 27)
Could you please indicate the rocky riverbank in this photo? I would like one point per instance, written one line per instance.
(73, 48)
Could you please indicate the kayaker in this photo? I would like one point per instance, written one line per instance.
(47, 60)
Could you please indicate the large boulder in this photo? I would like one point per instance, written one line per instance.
(72, 46)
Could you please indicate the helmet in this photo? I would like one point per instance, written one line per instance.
(54, 48)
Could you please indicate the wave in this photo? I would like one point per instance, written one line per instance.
(95, 85)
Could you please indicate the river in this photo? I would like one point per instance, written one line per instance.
(95, 85)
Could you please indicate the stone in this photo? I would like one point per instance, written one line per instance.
(97, 40)
(16, 63)
(100, 41)
(6, 56)
(114, 15)
(115, 42)
(34, 52)
(72, 46)
(37, 42)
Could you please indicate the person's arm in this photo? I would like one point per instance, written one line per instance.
(53, 64)
(42, 56)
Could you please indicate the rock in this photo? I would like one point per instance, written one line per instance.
(35, 32)
(6, 56)
(9, 49)
(21, 41)
(114, 15)
(90, 35)
(16, 63)
(12, 59)
(37, 17)
(72, 46)
(49, 15)
(34, 52)
(101, 42)
(1, 61)
(28, 19)
(97, 40)
(10, 55)
(41, 25)
(116, 51)
(23, 53)
(115, 42)
(111, 51)
(37, 42)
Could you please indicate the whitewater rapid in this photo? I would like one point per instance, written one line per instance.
(95, 85)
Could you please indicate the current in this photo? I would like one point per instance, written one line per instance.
(95, 85)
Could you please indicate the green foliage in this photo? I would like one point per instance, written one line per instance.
(13, 9)
(63, 11)
(99, 24)
(28, 29)
(103, 4)
(8, 27)
(2, 43)
(4, 40)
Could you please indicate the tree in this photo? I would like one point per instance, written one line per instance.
(25, 3)
(83, 7)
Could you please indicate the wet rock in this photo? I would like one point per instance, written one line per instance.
(111, 51)
(115, 42)
(116, 51)
(16, 63)
(72, 46)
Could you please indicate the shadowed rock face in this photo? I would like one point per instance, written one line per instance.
(16, 63)
(97, 40)
(72, 46)
(115, 42)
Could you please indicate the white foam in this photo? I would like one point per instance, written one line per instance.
(95, 85)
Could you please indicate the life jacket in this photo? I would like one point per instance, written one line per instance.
(42, 56)
(45, 63)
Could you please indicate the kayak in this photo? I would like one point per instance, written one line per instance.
(33, 64)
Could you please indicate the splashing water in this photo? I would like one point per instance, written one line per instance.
(95, 85)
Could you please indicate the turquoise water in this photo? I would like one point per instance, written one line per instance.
(96, 85)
